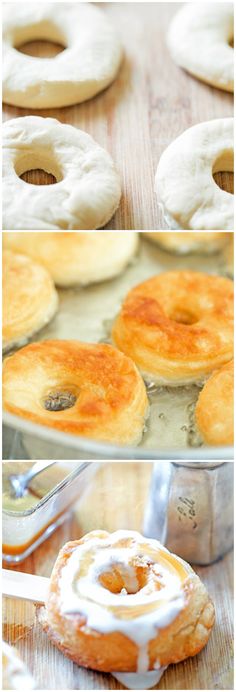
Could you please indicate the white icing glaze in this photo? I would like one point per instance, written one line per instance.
(159, 599)
(140, 681)
(15, 673)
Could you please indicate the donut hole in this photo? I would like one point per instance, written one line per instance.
(183, 316)
(38, 168)
(223, 171)
(41, 49)
(59, 399)
(120, 580)
(123, 579)
(42, 40)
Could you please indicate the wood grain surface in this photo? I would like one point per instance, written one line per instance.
(149, 104)
(116, 500)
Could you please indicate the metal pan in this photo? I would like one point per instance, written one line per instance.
(87, 314)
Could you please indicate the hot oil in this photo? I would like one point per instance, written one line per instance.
(87, 314)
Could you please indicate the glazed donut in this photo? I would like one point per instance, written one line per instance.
(89, 63)
(215, 407)
(187, 192)
(15, 675)
(77, 258)
(199, 40)
(185, 243)
(177, 327)
(87, 191)
(29, 298)
(123, 603)
(91, 390)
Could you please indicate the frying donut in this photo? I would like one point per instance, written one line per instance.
(29, 298)
(184, 243)
(123, 603)
(87, 189)
(178, 326)
(15, 675)
(199, 40)
(88, 64)
(77, 258)
(91, 390)
(187, 192)
(215, 407)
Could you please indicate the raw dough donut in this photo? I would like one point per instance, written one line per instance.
(199, 40)
(185, 243)
(15, 675)
(123, 603)
(215, 407)
(77, 258)
(178, 326)
(29, 298)
(87, 191)
(91, 390)
(89, 63)
(184, 183)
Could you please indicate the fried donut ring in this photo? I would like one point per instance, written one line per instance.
(91, 390)
(178, 326)
(187, 192)
(29, 298)
(87, 189)
(185, 243)
(15, 675)
(77, 258)
(121, 602)
(199, 41)
(88, 64)
(215, 407)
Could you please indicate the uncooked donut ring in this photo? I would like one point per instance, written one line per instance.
(178, 326)
(199, 40)
(29, 298)
(89, 63)
(87, 191)
(185, 243)
(215, 407)
(15, 675)
(91, 390)
(187, 192)
(123, 603)
(77, 258)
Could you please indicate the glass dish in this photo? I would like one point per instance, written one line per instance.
(24, 530)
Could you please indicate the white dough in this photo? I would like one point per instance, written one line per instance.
(87, 191)
(199, 38)
(89, 63)
(187, 192)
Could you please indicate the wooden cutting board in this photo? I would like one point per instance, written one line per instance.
(116, 500)
(149, 104)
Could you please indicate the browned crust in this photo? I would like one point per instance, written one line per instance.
(29, 297)
(184, 637)
(215, 407)
(111, 396)
(149, 327)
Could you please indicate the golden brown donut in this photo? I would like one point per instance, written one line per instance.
(215, 407)
(29, 298)
(121, 602)
(177, 326)
(76, 258)
(184, 243)
(91, 390)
